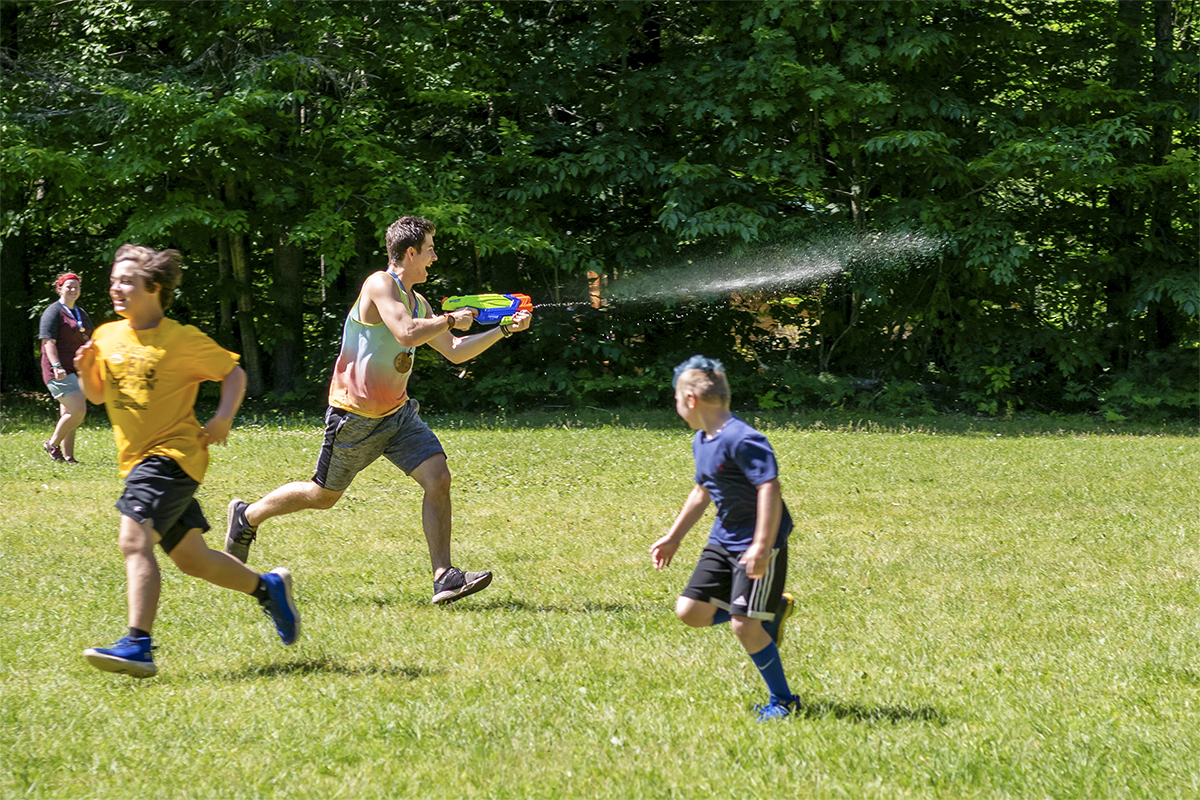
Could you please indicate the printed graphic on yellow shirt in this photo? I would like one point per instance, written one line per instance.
(132, 372)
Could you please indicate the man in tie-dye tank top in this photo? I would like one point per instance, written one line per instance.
(370, 413)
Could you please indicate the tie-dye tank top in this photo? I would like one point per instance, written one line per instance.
(370, 377)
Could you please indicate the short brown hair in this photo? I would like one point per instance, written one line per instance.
(157, 267)
(404, 233)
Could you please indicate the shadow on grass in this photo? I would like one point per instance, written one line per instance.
(509, 604)
(548, 608)
(1162, 673)
(854, 712)
(324, 666)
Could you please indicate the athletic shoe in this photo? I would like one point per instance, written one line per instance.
(787, 603)
(279, 605)
(455, 584)
(238, 533)
(54, 451)
(127, 656)
(776, 709)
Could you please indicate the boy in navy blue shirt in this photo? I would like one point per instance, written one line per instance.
(741, 573)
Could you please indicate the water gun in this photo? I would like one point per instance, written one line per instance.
(490, 308)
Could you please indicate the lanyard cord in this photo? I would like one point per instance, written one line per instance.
(74, 312)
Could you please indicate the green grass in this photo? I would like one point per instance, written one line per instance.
(985, 609)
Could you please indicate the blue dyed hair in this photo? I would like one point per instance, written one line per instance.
(707, 365)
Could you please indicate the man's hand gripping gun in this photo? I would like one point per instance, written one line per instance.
(490, 309)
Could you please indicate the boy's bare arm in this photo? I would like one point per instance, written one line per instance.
(89, 372)
(382, 294)
(662, 551)
(458, 349)
(233, 389)
(769, 513)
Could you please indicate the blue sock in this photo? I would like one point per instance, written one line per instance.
(771, 669)
(720, 617)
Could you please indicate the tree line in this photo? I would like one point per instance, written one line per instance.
(1050, 148)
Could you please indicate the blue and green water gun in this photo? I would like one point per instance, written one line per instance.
(490, 309)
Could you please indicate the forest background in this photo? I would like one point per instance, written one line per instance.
(1048, 150)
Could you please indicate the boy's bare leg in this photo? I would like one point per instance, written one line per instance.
(750, 633)
(297, 496)
(143, 581)
(194, 558)
(433, 476)
(695, 613)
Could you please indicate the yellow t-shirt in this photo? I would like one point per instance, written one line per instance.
(150, 382)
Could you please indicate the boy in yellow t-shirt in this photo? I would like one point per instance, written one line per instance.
(146, 369)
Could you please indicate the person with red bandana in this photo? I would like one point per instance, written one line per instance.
(63, 329)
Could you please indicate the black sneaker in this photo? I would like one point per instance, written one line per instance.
(238, 533)
(455, 583)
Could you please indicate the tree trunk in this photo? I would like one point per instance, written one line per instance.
(1162, 335)
(224, 306)
(18, 366)
(289, 295)
(251, 356)
(1124, 215)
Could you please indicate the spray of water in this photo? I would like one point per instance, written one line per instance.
(871, 257)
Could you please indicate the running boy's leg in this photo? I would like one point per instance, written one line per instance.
(449, 582)
(757, 601)
(143, 581)
(699, 614)
(297, 496)
(351, 443)
(243, 519)
(273, 590)
(433, 476)
(193, 557)
(751, 634)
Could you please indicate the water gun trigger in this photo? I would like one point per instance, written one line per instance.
(490, 309)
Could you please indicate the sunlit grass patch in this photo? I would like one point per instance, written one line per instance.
(979, 615)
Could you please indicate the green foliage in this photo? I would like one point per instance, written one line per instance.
(1052, 148)
(1164, 389)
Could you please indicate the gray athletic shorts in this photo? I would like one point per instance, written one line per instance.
(68, 385)
(352, 443)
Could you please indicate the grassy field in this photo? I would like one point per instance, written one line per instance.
(985, 609)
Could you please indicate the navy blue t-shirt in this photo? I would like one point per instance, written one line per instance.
(731, 466)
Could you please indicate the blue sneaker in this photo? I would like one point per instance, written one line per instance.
(279, 605)
(127, 656)
(776, 709)
(774, 628)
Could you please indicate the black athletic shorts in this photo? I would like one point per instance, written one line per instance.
(158, 490)
(719, 579)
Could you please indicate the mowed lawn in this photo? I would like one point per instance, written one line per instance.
(984, 609)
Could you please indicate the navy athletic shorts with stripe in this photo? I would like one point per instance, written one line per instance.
(719, 579)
